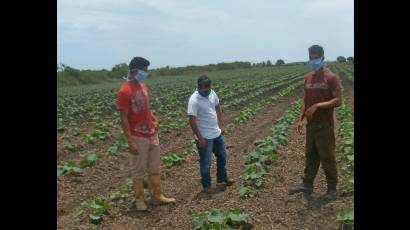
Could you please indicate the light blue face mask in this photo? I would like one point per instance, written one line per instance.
(316, 64)
(141, 75)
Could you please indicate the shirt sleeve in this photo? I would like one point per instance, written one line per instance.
(192, 107)
(304, 89)
(334, 84)
(123, 101)
(216, 99)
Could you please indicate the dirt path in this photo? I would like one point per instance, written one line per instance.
(182, 182)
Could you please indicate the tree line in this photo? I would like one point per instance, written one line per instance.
(67, 76)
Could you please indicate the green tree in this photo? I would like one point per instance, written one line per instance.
(341, 59)
(118, 71)
(280, 62)
(350, 59)
(268, 63)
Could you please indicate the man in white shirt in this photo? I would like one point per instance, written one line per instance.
(206, 120)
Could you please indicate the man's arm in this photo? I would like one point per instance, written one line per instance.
(195, 129)
(336, 101)
(220, 117)
(301, 116)
(154, 119)
(124, 123)
(302, 112)
(127, 131)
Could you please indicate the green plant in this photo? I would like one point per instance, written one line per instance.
(346, 132)
(70, 147)
(346, 216)
(120, 145)
(97, 209)
(89, 159)
(119, 193)
(219, 219)
(265, 152)
(173, 159)
(245, 192)
(69, 167)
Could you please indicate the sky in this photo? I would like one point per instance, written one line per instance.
(97, 34)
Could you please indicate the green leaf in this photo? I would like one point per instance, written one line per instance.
(258, 182)
(112, 150)
(96, 216)
(346, 214)
(60, 170)
(243, 192)
(216, 217)
(238, 217)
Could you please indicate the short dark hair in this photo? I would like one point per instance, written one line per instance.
(316, 49)
(204, 80)
(138, 63)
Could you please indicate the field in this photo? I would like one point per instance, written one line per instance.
(266, 155)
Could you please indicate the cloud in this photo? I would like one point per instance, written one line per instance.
(100, 34)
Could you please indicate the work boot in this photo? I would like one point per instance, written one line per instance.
(157, 197)
(304, 187)
(138, 187)
(221, 187)
(209, 190)
(228, 181)
(330, 194)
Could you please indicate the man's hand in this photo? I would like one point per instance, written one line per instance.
(132, 145)
(223, 129)
(311, 110)
(202, 143)
(155, 123)
(299, 126)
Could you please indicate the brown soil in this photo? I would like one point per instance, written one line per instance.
(106, 176)
(271, 208)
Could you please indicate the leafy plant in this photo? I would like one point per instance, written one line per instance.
(97, 209)
(346, 216)
(173, 159)
(89, 159)
(219, 219)
(69, 146)
(245, 192)
(69, 167)
(119, 193)
(265, 152)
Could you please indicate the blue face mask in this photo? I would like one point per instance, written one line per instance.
(141, 75)
(205, 93)
(316, 64)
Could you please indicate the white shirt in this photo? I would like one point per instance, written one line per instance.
(203, 108)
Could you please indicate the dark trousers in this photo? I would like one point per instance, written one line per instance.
(320, 148)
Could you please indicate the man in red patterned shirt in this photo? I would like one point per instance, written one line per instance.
(140, 128)
(322, 95)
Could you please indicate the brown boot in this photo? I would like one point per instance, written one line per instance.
(138, 187)
(227, 181)
(155, 190)
(209, 190)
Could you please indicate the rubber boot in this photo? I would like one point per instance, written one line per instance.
(138, 187)
(157, 197)
(304, 187)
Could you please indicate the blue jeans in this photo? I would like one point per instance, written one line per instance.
(216, 146)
